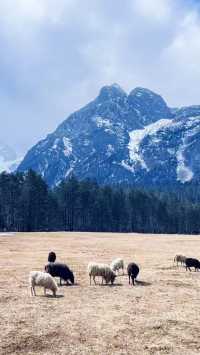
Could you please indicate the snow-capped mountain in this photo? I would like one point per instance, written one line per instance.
(120, 138)
(8, 158)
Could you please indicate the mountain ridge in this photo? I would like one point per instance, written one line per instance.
(130, 138)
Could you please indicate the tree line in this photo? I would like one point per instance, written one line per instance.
(28, 204)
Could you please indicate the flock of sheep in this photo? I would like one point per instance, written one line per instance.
(108, 273)
(188, 262)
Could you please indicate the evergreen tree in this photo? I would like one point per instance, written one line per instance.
(27, 204)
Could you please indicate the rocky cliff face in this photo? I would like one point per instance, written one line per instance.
(120, 138)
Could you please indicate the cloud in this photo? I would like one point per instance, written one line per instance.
(15, 12)
(57, 54)
(186, 44)
(181, 60)
(154, 10)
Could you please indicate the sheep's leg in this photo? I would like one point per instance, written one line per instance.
(133, 281)
(31, 291)
(34, 293)
(90, 279)
(60, 281)
(106, 280)
(129, 279)
(94, 280)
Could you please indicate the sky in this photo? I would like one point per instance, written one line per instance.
(57, 54)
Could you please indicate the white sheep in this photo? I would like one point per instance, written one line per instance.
(103, 270)
(39, 278)
(117, 264)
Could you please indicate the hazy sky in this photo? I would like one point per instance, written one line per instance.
(57, 54)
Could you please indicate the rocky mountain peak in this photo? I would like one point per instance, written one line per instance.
(150, 104)
(111, 92)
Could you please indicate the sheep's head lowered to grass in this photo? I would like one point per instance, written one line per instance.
(112, 278)
(71, 277)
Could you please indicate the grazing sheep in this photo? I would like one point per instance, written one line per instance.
(103, 270)
(190, 262)
(117, 264)
(180, 259)
(52, 257)
(39, 278)
(133, 271)
(60, 270)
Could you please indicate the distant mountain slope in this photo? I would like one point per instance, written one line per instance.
(8, 158)
(120, 138)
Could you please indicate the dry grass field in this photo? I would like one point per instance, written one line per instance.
(160, 315)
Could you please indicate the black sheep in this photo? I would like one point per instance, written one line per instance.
(133, 271)
(52, 257)
(191, 262)
(60, 270)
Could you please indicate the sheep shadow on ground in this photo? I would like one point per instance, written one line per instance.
(106, 285)
(71, 285)
(142, 283)
(114, 285)
(50, 296)
(172, 267)
(53, 297)
(67, 284)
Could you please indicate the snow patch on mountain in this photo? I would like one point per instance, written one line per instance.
(103, 122)
(55, 145)
(10, 165)
(110, 150)
(184, 173)
(68, 172)
(137, 136)
(127, 166)
(67, 146)
(8, 159)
